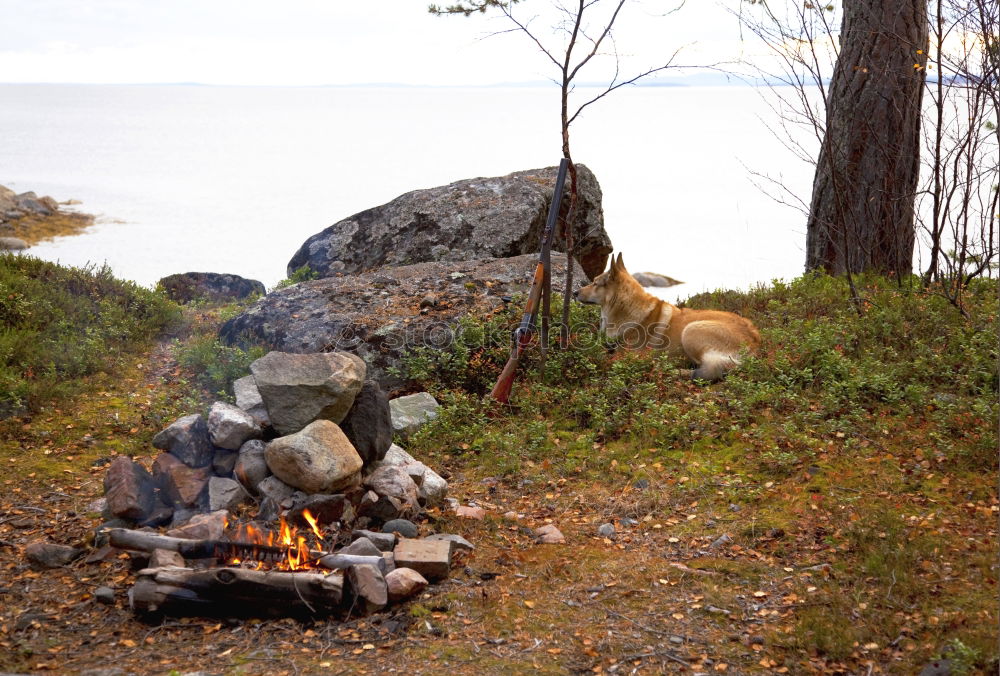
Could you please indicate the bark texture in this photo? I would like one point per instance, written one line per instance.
(861, 216)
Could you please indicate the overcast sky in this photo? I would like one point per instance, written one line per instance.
(314, 42)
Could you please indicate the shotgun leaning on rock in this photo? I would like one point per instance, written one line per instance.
(524, 332)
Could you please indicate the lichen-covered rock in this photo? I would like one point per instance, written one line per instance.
(188, 286)
(377, 315)
(230, 427)
(300, 388)
(318, 459)
(476, 218)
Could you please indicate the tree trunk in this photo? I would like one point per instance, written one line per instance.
(861, 217)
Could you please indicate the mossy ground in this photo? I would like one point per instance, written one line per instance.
(852, 465)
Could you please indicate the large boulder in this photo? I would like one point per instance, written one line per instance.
(128, 488)
(379, 315)
(476, 218)
(319, 459)
(213, 286)
(300, 388)
(230, 427)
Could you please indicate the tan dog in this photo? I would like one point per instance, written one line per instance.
(712, 339)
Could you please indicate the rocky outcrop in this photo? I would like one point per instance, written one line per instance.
(654, 279)
(26, 219)
(213, 286)
(379, 315)
(472, 219)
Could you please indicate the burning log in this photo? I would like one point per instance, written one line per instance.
(236, 592)
(142, 541)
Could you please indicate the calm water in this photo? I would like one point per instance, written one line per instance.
(233, 179)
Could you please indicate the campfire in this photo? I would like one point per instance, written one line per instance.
(284, 549)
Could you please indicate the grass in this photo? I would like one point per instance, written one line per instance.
(864, 441)
(60, 324)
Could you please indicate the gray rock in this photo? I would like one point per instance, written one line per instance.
(209, 526)
(549, 535)
(349, 313)
(721, 541)
(431, 489)
(224, 462)
(653, 279)
(187, 439)
(230, 427)
(12, 244)
(457, 542)
(476, 218)
(402, 583)
(404, 527)
(248, 398)
(318, 459)
(391, 481)
(940, 667)
(275, 489)
(213, 286)
(251, 466)
(128, 488)
(385, 542)
(300, 388)
(361, 547)
(412, 412)
(180, 485)
(162, 558)
(225, 494)
(49, 555)
(367, 586)
(606, 530)
(105, 595)
(324, 508)
(368, 425)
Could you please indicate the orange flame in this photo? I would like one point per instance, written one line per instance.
(298, 553)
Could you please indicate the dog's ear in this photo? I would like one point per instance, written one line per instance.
(613, 266)
(620, 264)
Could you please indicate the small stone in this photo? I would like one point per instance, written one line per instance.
(721, 541)
(457, 542)
(325, 509)
(606, 530)
(248, 398)
(403, 527)
(734, 507)
(368, 586)
(402, 583)
(224, 462)
(430, 558)
(105, 595)
(49, 555)
(274, 488)
(209, 526)
(361, 547)
(628, 523)
(470, 512)
(510, 516)
(187, 439)
(677, 640)
(549, 535)
(164, 558)
(642, 484)
(251, 465)
(225, 494)
(385, 542)
(430, 300)
(230, 426)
